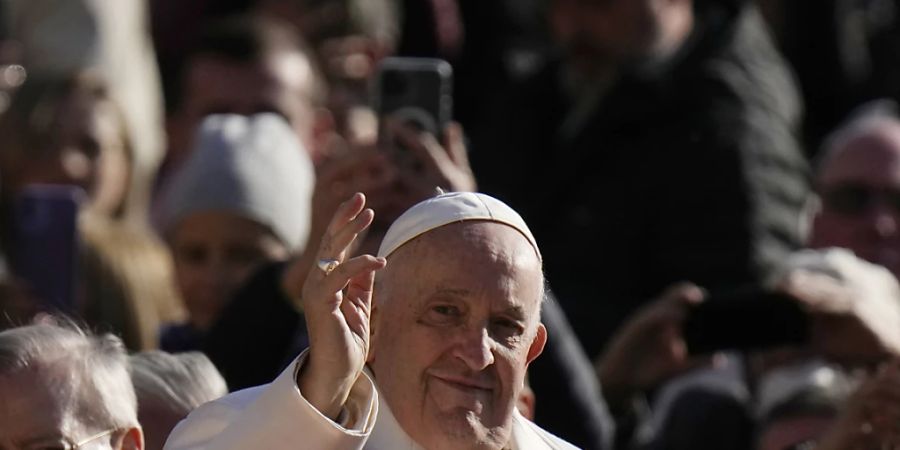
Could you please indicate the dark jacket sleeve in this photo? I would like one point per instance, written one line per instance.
(251, 340)
(568, 398)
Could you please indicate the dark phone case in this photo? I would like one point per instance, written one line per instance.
(415, 90)
(745, 320)
(45, 247)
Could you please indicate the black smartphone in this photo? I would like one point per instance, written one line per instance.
(745, 320)
(45, 248)
(418, 91)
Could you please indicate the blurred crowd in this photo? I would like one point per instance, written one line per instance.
(168, 168)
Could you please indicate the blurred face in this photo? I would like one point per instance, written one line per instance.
(158, 420)
(860, 191)
(603, 32)
(787, 433)
(37, 413)
(89, 153)
(215, 252)
(455, 326)
(281, 84)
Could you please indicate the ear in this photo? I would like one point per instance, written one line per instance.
(537, 344)
(133, 439)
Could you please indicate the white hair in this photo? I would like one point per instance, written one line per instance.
(870, 119)
(99, 388)
(180, 382)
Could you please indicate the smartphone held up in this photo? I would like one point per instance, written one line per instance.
(413, 91)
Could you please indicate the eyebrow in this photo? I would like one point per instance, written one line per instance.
(443, 290)
(516, 311)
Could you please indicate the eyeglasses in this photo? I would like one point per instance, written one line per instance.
(67, 444)
(853, 199)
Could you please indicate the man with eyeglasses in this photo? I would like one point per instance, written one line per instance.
(858, 181)
(62, 388)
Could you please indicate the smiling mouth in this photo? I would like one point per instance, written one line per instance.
(464, 384)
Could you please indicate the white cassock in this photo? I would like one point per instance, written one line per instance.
(276, 416)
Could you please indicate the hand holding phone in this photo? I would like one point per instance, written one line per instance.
(749, 319)
(415, 91)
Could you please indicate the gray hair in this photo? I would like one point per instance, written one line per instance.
(179, 382)
(99, 387)
(869, 119)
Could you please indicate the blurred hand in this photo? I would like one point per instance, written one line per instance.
(650, 348)
(337, 308)
(845, 327)
(871, 417)
(425, 164)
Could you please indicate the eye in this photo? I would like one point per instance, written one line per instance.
(191, 254)
(442, 315)
(446, 310)
(507, 328)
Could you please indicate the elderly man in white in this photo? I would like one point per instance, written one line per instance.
(433, 355)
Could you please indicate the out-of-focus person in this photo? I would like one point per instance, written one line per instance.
(67, 130)
(168, 387)
(663, 139)
(241, 200)
(349, 38)
(60, 38)
(127, 281)
(853, 310)
(246, 65)
(813, 405)
(798, 403)
(858, 183)
(63, 387)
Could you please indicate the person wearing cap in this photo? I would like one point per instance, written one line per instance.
(430, 352)
(241, 200)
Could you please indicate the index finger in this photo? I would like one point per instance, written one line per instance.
(346, 212)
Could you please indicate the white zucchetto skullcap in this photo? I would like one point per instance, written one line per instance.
(254, 167)
(450, 208)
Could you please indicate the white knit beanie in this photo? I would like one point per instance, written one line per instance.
(254, 167)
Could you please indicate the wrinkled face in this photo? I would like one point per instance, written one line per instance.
(860, 191)
(594, 32)
(455, 325)
(215, 252)
(36, 412)
(280, 84)
(89, 152)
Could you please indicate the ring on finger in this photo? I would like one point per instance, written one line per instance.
(327, 265)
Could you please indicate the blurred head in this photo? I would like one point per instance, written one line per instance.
(67, 131)
(599, 34)
(242, 199)
(168, 387)
(60, 385)
(248, 65)
(349, 37)
(798, 404)
(455, 324)
(858, 181)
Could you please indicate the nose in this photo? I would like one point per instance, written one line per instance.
(475, 349)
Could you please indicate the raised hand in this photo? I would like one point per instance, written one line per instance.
(649, 349)
(337, 306)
